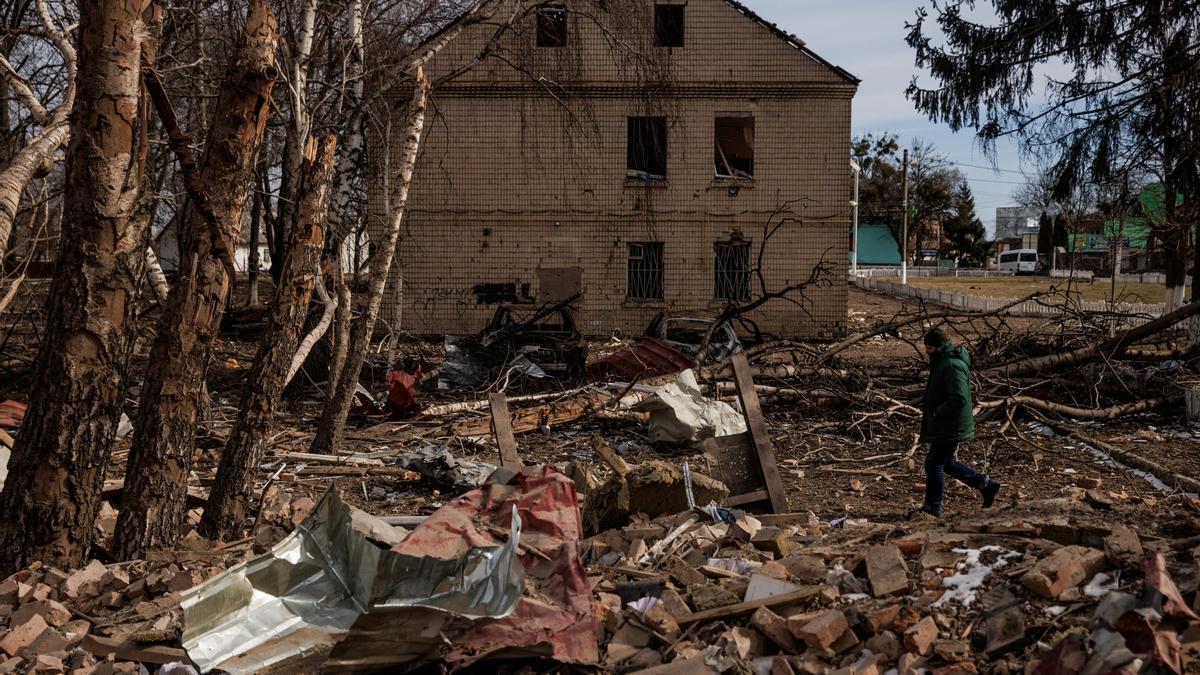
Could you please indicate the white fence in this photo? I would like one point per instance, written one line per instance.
(974, 303)
(930, 272)
(1148, 278)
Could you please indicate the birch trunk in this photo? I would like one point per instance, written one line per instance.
(57, 468)
(333, 417)
(232, 490)
(152, 506)
(36, 155)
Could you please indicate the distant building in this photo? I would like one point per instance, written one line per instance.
(1013, 222)
(877, 246)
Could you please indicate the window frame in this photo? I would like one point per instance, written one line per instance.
(676, 13)
(658, 129)
(651, 255)
(552, 21)
(723, 273)
(720, 153)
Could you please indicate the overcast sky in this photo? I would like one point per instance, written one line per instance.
(866, 37)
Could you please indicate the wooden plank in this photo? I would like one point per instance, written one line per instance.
(611, 458)
(804, 594)
(392, 471)
(502, 427)
(748, 498)
(758, 432)
(128, 650)
(532, 419)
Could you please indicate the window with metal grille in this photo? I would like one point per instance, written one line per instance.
(668, 25)
(731, 270)
(734, 151)
(552, 27)
(645, 277)
(646, 147)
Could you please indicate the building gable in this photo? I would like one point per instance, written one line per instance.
(723, 42)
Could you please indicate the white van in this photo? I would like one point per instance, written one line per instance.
(1020, 261)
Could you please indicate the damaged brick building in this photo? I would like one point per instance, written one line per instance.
(646, 156)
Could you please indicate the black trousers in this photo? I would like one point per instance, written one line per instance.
(940, 462)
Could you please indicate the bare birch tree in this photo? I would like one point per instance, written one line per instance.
(56, 471)
(152, 507)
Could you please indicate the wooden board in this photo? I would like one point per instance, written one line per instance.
(746, 462)
(502, 427)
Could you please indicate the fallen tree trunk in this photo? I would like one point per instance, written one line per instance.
(1138, 462)
(895, 326)
(1083, 413)
(1107, 350)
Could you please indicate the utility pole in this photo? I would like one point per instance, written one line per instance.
(854, 243)
(904, 225)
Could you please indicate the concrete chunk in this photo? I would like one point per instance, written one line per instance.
(887, 571)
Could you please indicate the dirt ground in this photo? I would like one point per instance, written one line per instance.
(1019, 287)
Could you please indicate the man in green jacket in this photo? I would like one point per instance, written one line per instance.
(948, 419)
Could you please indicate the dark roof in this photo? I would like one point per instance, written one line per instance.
(790, 39)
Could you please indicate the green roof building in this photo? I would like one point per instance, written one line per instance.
(877, 246)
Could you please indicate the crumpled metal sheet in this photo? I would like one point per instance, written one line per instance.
(303, 596)
(680, 414)
(555, 619)
(440, 465)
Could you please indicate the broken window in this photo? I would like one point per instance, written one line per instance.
(668, 25)
(552, 27)
(734, 151)
(731, 270)
(646, 147)
(645, 279)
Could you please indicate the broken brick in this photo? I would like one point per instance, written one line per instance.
(20, 636)
(774, 540)
(886, 644)
(823, 631)
(887, 570)
(53, 612)
(11, 591)
(774, 627)
(1066, 568)
(85, 581)
(920, 638)
(881, 619)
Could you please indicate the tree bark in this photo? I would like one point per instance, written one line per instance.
(56, 471)
(232, 491)
(341, 331)
(152, 506)
(252, 262)
(333, 416)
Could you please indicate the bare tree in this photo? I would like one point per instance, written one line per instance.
(57, 468)
(231, 495)
(38, 153)
(152, 506)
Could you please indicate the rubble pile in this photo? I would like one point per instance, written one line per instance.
(1047, 587)
(100, 618)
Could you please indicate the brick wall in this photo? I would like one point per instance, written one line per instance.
(513, 181)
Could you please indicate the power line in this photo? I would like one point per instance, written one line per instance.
(977, 166)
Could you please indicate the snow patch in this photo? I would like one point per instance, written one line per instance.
(972, 573)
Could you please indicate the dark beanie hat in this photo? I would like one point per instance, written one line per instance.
(935, 338)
